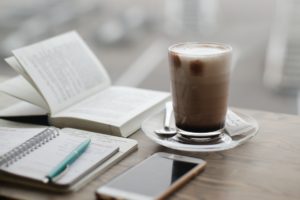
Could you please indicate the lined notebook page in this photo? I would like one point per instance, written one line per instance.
(96, 154)
(13, 137)
(40, 162)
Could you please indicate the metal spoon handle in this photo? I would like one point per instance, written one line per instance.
(168, 113)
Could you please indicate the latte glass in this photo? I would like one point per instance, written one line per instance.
(200, 74)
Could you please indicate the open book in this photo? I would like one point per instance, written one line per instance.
(28, 154)
(64, 77)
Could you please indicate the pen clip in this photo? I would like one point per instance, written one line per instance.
(54, 179)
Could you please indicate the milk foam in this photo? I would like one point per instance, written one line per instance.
(198, 49)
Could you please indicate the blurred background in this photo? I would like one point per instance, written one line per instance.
(131, 40)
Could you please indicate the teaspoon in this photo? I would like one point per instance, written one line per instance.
(167, 131)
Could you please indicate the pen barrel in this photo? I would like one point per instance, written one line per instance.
(69, 159)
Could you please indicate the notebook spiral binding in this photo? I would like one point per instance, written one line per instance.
(28, 146)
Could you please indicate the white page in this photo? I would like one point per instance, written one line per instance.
(115, 105)
(13, 137)
(13, 63)
(64, 70)
(125, 145)
(40, 162)
(96, 154)
(22, 108)
(7, 100)
(20, 88)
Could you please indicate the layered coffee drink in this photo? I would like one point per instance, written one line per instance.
(200, 76)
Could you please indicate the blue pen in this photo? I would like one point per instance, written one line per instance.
(63, 165)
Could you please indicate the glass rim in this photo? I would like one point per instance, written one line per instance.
(227, 48)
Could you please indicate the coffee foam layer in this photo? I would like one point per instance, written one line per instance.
(198, 49)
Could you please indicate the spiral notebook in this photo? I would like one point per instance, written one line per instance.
(27, 155)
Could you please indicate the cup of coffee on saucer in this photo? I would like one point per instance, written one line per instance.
(200, 74)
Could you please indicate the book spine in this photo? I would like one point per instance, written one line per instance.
(28, 146)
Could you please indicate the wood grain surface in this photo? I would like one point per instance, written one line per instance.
(266, 167)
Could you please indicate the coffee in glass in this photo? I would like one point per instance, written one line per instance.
(200, 74)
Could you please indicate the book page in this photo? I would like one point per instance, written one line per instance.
(13, 137)
(115, 105)
(22, 108)
(13, 63)
(63, 69)
(41, 161)
(20, 88)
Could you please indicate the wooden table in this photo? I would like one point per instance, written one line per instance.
(266, 167)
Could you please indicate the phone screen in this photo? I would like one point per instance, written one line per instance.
(152, 177)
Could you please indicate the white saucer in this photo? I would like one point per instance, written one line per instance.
(225, 141)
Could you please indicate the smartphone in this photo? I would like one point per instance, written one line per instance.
(154, 178)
